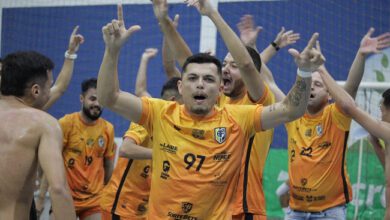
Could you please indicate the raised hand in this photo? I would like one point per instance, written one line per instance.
(176, 20)
(284, 39)
(149, 53)
(115, 33)
(204, 6)
(370, 44)
(309, 59)
(248, 32)
(160, 8)
(74, 41)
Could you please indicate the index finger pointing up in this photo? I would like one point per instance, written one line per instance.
(120, 13)
(75, 30)
(312, 41)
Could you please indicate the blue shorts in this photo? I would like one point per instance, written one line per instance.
(335, 213)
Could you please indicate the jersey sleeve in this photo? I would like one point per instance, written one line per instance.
(341, 119)
(248, 116)
(151, 108)
(268, 97)
(137, 133)
(111, 146)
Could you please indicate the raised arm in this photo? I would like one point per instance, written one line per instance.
(379, 151)
(130, 149)
(115, 35)
(176, 43)
(294, 104)
(249, 73)
(248, 31)
(51, 161)
(169, 61)
(368, 45)
(347, 104)
(65, 75)
(141, 81)
(283, 39)
(249, 34)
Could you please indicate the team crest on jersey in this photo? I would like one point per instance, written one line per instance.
(220, 134)
(186, 207)
(319, 130)
(101, 141)
(198, 134)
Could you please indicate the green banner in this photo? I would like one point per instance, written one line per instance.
(369, 194)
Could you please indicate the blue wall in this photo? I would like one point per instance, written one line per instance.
(341, 25)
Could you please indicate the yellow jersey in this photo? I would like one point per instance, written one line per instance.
(317, 169)
(196, 161)
(84, 149)
(127, 192)
(250, 194)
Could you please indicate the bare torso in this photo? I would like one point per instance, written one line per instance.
(19, 140)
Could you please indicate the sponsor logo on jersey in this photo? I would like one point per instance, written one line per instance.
(166, 167)
(168, 148)
(220, 134)
(180, 216)
(325, 144)
(222, 157)
(218, 181)
(71, 163)
(101, 141)
(308, 132)
(319, 130)
(303, 181)
(90, 142)
(186, 207)
(75, 150)
(198, 134)
(145, 172)
(141, 209)
(310, 198)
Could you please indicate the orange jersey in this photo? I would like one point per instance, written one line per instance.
(196, 162)
(127, 193)
(250, 194)
(85, 147)
(317, 169)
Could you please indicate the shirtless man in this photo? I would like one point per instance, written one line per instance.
(29, 137)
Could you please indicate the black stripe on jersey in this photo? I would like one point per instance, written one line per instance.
(115, 217)
(248, 216)
(345, 186)
(247, 159)
(123, 179)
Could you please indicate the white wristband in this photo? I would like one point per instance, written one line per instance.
(282, 189)
(303, 74)
(70, 56)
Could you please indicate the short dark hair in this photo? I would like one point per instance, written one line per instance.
(386, 98)
(23, 69)
(87, 84)
(171, 84)
(203, 58)
(255, 57)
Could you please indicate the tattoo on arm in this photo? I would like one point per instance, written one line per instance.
(296, 94)
(272, 108)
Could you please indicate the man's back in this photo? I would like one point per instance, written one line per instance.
(20, 135)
